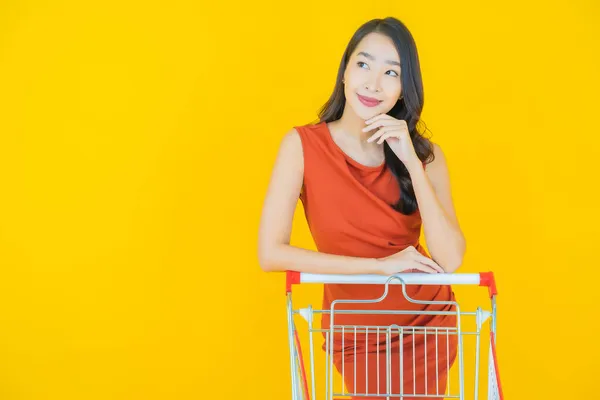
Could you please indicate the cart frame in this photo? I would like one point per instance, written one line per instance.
(301, 390)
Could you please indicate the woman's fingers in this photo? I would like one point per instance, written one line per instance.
(376, 135)
(424, 268)
(429, 262)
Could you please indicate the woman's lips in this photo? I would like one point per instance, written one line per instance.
(368, 101)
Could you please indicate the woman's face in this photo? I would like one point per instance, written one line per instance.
(373, 71)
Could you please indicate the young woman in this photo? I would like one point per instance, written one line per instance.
(369, 181)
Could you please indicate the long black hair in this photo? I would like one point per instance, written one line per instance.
(408, 108)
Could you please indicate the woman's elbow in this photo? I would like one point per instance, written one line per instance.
(452, 266)
(457, 260)
(263, 261)
(266, 260)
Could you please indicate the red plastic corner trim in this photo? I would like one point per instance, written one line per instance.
(301, 362)
(487, 279)
(291, 278)
(493, 343)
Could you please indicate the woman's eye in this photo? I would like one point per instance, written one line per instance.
(361, 63)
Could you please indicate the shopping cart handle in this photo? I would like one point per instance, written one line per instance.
(411, 278)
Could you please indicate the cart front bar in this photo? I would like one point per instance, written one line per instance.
(481, 279)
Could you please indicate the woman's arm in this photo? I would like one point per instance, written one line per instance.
(274, 251)
(445, 240)
(287, 257)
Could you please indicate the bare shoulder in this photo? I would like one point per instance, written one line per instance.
(437, 170)
(290, 149)
(439, 176)
(291, 139)
(440, 157)
(439, 162)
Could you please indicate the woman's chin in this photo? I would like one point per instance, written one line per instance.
(363, 112)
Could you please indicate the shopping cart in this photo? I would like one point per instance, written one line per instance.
(303, 373)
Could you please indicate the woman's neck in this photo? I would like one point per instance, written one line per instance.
(350, 125)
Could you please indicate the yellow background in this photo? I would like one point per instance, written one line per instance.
(136, 144)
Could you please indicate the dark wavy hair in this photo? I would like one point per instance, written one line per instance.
(408, 108)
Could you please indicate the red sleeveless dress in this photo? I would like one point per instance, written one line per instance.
(348, 210)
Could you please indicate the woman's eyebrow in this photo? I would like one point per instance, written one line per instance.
(371, 57)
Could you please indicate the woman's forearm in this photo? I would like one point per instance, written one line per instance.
(288, 257)
(445, 241)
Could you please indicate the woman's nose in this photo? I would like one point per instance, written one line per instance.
(373, 85)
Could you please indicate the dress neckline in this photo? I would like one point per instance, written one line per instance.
(346, 156)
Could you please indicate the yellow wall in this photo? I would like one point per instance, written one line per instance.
(136, 145)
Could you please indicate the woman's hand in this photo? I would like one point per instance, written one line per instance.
(395, 133)
(408, 259)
